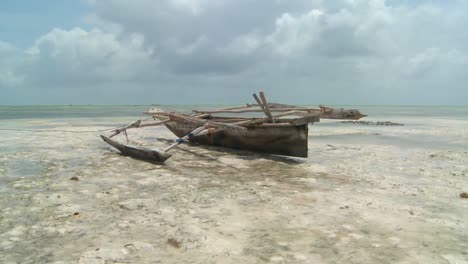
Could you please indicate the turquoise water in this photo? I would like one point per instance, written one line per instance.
(88, 111)
(27, 112)
(419, 122)
(74, 111)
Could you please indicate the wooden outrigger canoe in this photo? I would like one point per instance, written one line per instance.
(284, 130)
(282, 138)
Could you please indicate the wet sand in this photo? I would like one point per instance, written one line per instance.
(364, 195)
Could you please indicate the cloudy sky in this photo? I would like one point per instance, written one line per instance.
(403, 52)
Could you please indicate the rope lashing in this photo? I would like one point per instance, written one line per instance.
(181, 140)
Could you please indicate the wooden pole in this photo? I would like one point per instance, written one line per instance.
(155, 123)
(262, 120)
(124, 129)
(259, 102)
(247, 110)
(262, 106)
(188, 136)
(202, 122)
(267, 108)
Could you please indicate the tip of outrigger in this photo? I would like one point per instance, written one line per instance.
(151, 155)
(161, 155)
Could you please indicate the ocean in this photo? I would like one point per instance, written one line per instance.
(365, 194)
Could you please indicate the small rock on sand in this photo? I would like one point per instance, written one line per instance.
(173, 242)
(464, 195)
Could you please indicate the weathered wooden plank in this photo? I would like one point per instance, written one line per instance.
(328, 113)
(202, 122)
(266, 107)
(262, 107)
(251, 110)
(120, 130)
(154, 123)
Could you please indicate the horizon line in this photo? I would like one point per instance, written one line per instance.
(209, 104)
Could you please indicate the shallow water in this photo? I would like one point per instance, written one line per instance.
(366, 194)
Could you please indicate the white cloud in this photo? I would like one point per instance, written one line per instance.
(372, 46)
(76, 64)
(294, 34)
(192, 47)
(10, 60)
(195, 7)
(95, 55)
(244, 44)
(105, 25)
(431, 60)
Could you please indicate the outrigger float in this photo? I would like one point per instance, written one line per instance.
(283, 130)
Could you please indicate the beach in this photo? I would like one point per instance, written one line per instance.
(366, 193)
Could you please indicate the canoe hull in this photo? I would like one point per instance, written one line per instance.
(281, 140)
